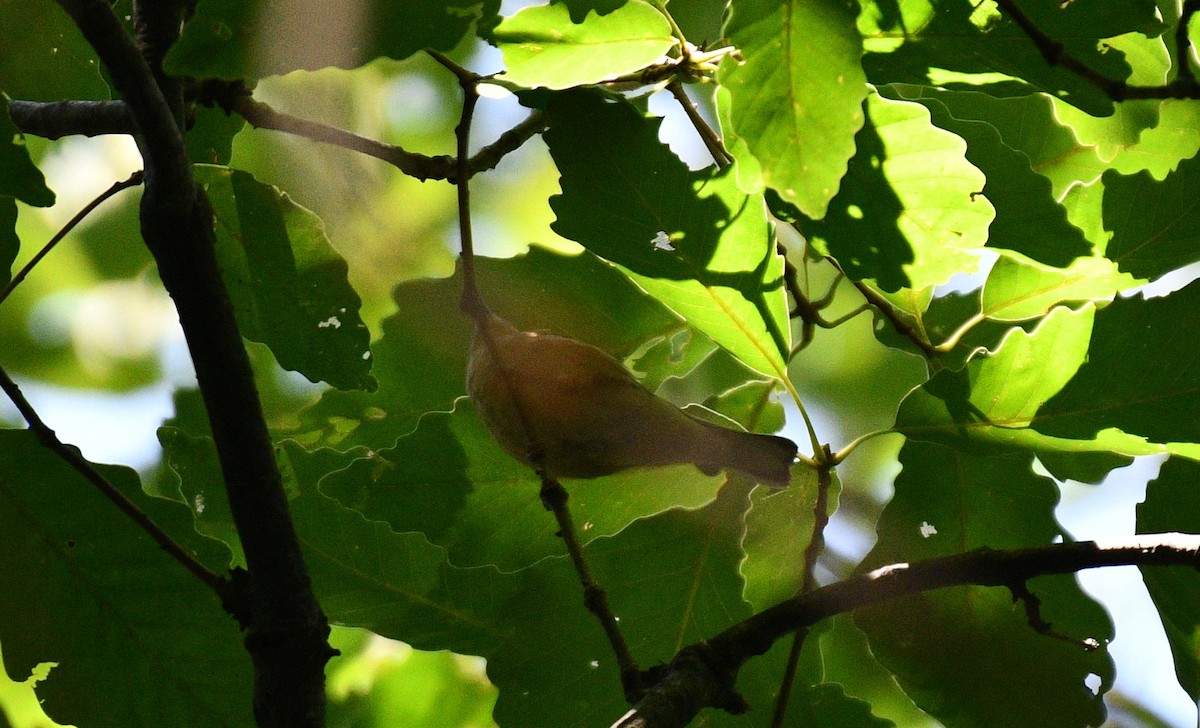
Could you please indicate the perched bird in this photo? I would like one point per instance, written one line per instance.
(584, 415)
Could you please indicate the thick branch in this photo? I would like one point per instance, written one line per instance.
(676, 701)
(57, 119)
(288, 633)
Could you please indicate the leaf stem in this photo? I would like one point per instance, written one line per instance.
(133, 180)
(953, 339)
(71, 457)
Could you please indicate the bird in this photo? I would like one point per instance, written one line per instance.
(557, 403)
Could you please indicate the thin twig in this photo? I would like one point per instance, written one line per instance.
(712, 140)
(71, 457)
(1055, 53)
(133, 180)
(554, 498)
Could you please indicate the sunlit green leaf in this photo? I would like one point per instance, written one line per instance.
(544, 47)
(796, 93)
(694, 241)
(911, 211)
(1028, 220)
(942, 645)
(287, 283)
(779, 528)
(86, 587)
(1018, 290)
(980, 39)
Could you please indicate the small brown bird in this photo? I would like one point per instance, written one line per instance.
(587, 416)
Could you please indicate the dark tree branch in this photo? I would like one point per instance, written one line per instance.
(156, 25)
(288, 634)
(686, 690)
(71, 457)
(1183, 87)
(57, 119)
(133, 180)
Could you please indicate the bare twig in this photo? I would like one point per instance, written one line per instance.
(133, 180)
(712, 140)
(71, 457)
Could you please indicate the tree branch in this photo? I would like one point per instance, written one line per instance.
(288, 634)
(677, 699)
(57, 119)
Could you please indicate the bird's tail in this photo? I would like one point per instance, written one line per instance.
(765, 458)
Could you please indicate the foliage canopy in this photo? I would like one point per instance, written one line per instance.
(881, 151)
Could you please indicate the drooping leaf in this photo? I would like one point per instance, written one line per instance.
(87, 589)
(1172, 505)
(979, 39)
(943, 645)
(795, 95)
(1140, 375)
(288, 284)
(232, 39)
(1155, 225)
(911, 210)
(19, 177)
(421, 361)
(544, 46)
(694, 241)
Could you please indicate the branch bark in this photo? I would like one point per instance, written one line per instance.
(702, 675)
(287, 633)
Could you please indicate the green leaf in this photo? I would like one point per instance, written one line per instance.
(86, 588)
(421, 360)
(1019, 290)
(1028, 219)
(676, 571)
(210, 139)
(694, 241)
(910, 213)
(45, 56)
(942, 645)
(993, 401)
(796, 96)
(1155, 225)
(544, 47)
(779, 529)
(288, 284)
(19, 177)
(979, 39)
(450, 481)
(1173, 504)
(240, 39)
(1141, 374)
